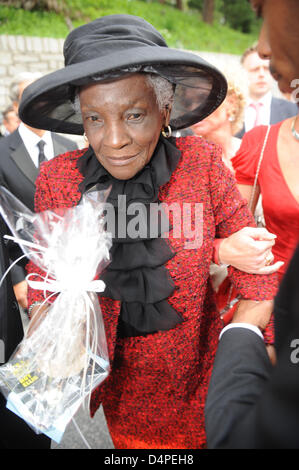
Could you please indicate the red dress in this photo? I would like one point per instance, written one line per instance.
(281, 210)
(155, 394)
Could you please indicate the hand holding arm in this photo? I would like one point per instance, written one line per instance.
(249, 250)
(257, 314)
(254, 313)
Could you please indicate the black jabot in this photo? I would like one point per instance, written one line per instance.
(136, 275)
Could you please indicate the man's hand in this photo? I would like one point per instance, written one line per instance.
(20, 291)
(255, 313)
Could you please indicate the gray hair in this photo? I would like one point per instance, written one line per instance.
(163, 90)
(14, 90)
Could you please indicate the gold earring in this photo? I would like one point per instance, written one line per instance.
(166, 132)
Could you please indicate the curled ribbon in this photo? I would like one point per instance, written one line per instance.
(58, 286)
(55, 286)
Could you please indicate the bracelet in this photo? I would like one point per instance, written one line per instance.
(32, 307)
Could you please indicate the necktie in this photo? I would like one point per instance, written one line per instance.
(41, 156)
(258, 115)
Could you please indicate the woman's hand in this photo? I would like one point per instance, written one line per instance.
(249, 250)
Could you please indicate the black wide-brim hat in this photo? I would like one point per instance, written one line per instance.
(110, 47)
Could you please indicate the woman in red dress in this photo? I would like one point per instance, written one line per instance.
(122, 86)
(278, 182)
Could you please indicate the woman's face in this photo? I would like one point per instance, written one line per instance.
(279, 39)
(213, 122)
(122, 122)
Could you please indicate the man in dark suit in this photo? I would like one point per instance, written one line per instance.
(14, 432)
(17, 170)
(19, 152)
(20, 156)
(250, 403)
(262, 108)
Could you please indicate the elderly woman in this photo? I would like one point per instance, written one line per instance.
(160, 318)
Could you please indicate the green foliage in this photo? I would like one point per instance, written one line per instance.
(36, 23)
(239, 15)
(180, 29)
(196, 4)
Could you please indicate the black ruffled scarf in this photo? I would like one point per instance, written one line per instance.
(136, 275)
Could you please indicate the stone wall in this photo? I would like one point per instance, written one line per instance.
(24, 53)
(33, 54)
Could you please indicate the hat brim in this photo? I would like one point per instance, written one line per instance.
(200, 87)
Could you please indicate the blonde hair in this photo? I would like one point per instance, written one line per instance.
(237, 93)
(238, 99)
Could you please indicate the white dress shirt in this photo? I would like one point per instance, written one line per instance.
(265, 111)
(248, 326)
(31, 140)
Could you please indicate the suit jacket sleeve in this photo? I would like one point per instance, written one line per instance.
(11, 328)
(18, 274)
(18, 271)
(240, 373)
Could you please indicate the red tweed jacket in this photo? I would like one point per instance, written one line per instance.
(154, 396)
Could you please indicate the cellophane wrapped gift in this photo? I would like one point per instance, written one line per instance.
(64, 356)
